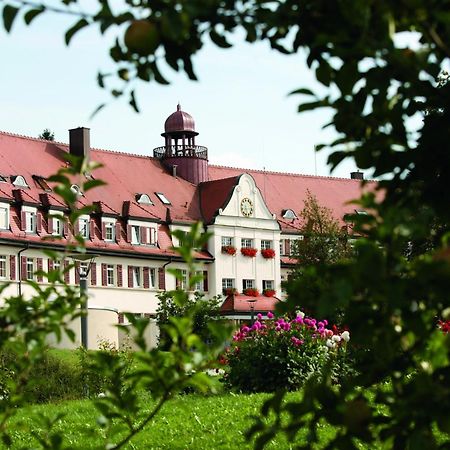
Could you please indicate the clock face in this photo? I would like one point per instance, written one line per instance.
(246, 207)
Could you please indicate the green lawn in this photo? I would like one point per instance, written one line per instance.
(187, 422)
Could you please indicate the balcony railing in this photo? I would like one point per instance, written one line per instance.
(172, 151)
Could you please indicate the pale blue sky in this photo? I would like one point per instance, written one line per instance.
(240, 104)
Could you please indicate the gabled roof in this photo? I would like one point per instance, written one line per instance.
(283, 191)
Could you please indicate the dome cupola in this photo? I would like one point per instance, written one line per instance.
(179, 122)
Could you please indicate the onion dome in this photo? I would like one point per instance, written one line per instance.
(179, 122)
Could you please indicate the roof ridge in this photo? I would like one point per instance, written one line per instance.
(290, 174)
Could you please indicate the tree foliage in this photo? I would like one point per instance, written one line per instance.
(391, 112)
(47, 135)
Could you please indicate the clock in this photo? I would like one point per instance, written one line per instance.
(246, 207)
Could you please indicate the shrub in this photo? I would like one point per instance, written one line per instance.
(283, 354)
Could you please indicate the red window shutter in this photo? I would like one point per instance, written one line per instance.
(39, 222)
(23, 269)
(118, 230)
(119, 275)
(77, 272)
(93, 274)
(130, 276)
(144, 235)
(146, 277)
(66, 229)
(92, 229)
(287, 247)
(49, 225)
(120, 317)
(128, 233)
(50, 264)
(205, 281)
(154, 236)
(104, 279)
(162, 278)
(12, 267)
(66, 272)
(103, 230)
(23, 221)
(39, 268)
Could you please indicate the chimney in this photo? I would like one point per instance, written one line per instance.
(174, 170)
(357, 175)
(80, 142)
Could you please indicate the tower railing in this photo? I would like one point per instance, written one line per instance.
(172, 151)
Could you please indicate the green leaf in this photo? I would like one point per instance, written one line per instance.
(77, 27)
(303, 91)
(133, 101)
(218, 39)
(32, 14)
(9, 14)
(97, 109)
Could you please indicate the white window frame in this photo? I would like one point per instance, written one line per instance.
(152, 278)
(110, 275)
(30, 269)
(227, 283)
(4, 217)
(266, 244)
(267, 284)
(246, 243)
(163, 198)
(83, 227)
(248, 284)
(137, 277)
(227, 241)
(110, 227)
(199, 285)
(3, 268)
(136, 234)
(30, 221)
(20, 181)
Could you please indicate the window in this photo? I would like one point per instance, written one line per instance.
(30, 269)
(57, 226)
(3, 179)
(267, 284)
(246, 243)
(109, 231)
(163, 198)
(30, 222)
(83, 224)
(227, 283)
(110, 275)
(182, 279)
(42, 183)
(19, 181)
(4, 218)
(199, 285)
(289, 214)
(266, 244)
(76, 190)
(227, 241)
(3, 274)
(182, 238)
(137, 276)
(135, 234)
(152, 277)
(248, 284)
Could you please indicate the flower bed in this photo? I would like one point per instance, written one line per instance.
(249, 251)
(229, 249)
(268, 253)
(269, 292)
(279, 352)
(251, 292)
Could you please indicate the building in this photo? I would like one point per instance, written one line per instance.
(251, 215)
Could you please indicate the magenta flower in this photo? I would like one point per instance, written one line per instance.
(259, 316)
(245, 329)
(270, 315)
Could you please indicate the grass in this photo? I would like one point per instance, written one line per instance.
(187, 422)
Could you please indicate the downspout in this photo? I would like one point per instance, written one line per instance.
(19, 262)
(167, 263)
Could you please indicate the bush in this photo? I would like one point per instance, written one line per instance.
(282, 353)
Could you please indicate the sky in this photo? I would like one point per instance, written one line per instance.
(240, 104)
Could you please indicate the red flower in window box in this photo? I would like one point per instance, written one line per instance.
(228, 249)
(251, 292)
(230, 291)
(249, 251)
(269, 292)
(268, 253)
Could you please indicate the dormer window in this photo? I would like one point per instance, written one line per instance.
(143, 199)
(30, 222)
(19, 181)
(163, 198)
(83, 227)
(3, 179)
(361, 212)
(289, 214)
(76, 190)
(4, 217)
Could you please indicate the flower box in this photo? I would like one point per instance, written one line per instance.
(249, 251)
(269, 292)
(268, 253)
(251, 292)
(228, 249)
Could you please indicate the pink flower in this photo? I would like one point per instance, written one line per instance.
(270, 315)
(245, 329)
(259, 316)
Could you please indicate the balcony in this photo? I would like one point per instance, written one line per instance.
(173, 151)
